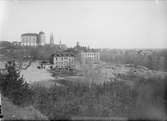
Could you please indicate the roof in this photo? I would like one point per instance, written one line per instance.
(29, 34)
(90, 50)
(41, 32)
(62, 54)
(85, 49)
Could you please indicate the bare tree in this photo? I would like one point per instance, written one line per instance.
(91, 73)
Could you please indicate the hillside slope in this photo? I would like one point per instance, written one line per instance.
(13, 112)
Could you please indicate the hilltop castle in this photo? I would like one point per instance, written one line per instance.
(33, 39)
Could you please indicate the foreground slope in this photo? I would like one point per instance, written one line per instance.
(13, 112)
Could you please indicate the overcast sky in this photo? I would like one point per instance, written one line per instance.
(97, 23)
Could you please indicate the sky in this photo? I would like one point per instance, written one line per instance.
(93, 23)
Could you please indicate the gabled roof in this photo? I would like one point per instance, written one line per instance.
(63, 54)
(29, 34)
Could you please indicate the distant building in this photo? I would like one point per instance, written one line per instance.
(33, 39)
(62, 46)
(63, 61)
(89, 56)
(86, 54)
(15, 43)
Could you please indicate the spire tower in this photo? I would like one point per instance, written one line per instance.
(51, 39)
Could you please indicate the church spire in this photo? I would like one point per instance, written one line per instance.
(77, 44)
(51, 39)
(60, 42)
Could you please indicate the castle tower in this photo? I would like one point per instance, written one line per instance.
(41, 38)
(51, 39)
(77, 44)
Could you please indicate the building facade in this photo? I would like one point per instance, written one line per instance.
(29, 39)
(86, 55)
(15, 43)
(63, 61)
(33, 39)
(89, 57)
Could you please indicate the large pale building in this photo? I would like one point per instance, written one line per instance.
(29, 39)
(63, 60)
(89, 56)
(33, 39)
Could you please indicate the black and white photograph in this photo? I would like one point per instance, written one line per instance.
(83, 60)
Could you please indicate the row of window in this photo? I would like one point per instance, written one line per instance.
(33, 44)
(62, 63)
(92, 58)
(64, 58)
(29, 41)
(60, 66)
(90, 54)
(29, 38)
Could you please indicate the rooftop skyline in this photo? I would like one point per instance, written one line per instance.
(94, 23)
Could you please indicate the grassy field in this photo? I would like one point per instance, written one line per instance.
(111, 72)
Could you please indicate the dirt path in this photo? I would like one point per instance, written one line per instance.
(33, 74)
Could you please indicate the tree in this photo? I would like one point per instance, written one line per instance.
(13, 86)
(91, 73)
(5, 44)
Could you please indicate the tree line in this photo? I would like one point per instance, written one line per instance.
(155, 59)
